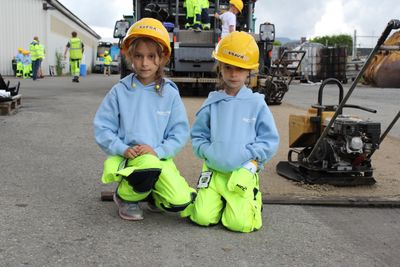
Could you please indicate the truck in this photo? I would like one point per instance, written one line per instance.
(114, 52)
(191, 65)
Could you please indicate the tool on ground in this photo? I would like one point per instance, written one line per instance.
(332, 147)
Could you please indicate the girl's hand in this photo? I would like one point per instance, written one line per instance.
(146, 149)
(131, 152)
(216, 15)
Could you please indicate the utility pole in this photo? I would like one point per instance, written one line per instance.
(354, 51)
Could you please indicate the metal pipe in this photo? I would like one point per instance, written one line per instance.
(215, 11)
(250, 17)
(177, 13)
(386, 131)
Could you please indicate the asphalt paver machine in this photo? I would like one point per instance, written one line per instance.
(191, 65)
(328, 146)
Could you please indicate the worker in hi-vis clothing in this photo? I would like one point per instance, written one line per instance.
(41, 53)
(107, 63)
(34, 51)
(76, 48)
(205, 19)
(193, 14)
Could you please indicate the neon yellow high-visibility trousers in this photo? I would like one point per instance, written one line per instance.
(232, 198)
(169, 189)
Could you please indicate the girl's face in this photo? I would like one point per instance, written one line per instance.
(234, 78)
(146, 61)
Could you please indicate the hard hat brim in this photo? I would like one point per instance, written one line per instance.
(234, 63)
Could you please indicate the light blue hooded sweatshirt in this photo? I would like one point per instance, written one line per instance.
(132, 113)
(231, 130)
(19, 57)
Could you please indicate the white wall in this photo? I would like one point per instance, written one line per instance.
(21, 20)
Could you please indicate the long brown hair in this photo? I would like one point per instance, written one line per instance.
(161, 64)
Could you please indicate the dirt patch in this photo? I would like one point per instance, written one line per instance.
(386, 162)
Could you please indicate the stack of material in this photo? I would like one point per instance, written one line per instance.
(385, 66)
(10, 100)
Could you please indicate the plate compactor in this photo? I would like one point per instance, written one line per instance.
(331, 147)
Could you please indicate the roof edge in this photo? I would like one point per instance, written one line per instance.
(60, 7)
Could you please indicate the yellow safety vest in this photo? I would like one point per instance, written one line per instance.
(40, 51)
(75, 48)
(33, 48)
(107, 60)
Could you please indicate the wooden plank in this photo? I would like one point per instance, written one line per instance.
(335, 201)
(320, 201)
(5, 108)
(106, 195)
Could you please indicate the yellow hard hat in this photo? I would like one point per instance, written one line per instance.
(237, 3)
(106, 52)
(150, 28)
(20, 49)
(26, 52)
(238, 49)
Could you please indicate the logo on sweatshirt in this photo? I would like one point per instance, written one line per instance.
(163, 113)
(249, 120)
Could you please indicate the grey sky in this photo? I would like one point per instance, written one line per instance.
(292, 18)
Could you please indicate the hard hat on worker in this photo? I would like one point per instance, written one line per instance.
(238, 49)
(237, 3)
(106, 52)
(150, 28)
(26, 52)
(20, 49)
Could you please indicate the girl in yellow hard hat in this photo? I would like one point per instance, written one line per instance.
(142, 124)
(235, 135)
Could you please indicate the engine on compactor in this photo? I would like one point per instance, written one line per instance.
(348, 145)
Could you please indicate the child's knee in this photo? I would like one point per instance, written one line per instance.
(175, 203)
(246, 221)
(204, 216)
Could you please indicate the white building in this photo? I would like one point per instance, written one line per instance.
(21, 20)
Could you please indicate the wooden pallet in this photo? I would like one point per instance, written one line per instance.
(10, 107)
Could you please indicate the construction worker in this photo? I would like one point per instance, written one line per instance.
(27, 65)
(193, 14)
(40, 57)
(142, 124)
(20, 66)
(107, 63)
(228, 18)
(34, 51)
(205, 19)
(76, 48)
(235, 134)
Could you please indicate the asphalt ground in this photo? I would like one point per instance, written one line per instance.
(51, 213)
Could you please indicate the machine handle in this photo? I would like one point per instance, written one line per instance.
(360, 107)
(395, 24)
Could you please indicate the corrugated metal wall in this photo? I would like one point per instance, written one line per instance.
(21, 20)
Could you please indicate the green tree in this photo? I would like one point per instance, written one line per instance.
(59, 64)
(335, 40)
(277, 43)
